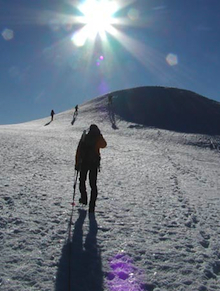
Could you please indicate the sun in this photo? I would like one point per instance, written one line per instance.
(98, 17)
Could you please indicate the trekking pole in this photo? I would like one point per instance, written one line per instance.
(74, 188)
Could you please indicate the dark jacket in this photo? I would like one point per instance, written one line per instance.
(88, 150)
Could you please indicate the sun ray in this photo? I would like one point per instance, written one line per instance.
(143, 53)
(91, 27)
(154, 61)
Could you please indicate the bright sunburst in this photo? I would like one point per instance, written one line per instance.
(98, 17)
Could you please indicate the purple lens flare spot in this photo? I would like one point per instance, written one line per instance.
(124, 275)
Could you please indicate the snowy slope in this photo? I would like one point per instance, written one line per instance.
(157, 224)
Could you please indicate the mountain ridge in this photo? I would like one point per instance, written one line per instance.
(167, 108)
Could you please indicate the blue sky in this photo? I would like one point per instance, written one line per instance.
(147, 43)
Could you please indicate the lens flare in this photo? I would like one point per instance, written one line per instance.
(124, 275)
(172, 59)
(133, 14)
(79, 38)
(8, 34)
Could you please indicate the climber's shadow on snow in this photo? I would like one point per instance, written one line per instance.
(111, 114)
(80, 266)
(48, 123)
(74, 117)
(73, 121)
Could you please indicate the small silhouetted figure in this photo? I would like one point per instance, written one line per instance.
(111, 112)
(52, 114)
(75, 114)
(88, 161)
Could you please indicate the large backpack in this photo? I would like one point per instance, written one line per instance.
(88, 153)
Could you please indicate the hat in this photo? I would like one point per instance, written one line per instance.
(94, 128)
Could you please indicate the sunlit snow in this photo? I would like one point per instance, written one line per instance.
(157, 221)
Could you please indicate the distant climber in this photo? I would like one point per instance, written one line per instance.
(75, 114)
(87, 160)
(52, 114)
(111, 112)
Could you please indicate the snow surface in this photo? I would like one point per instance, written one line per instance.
(157, 221)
